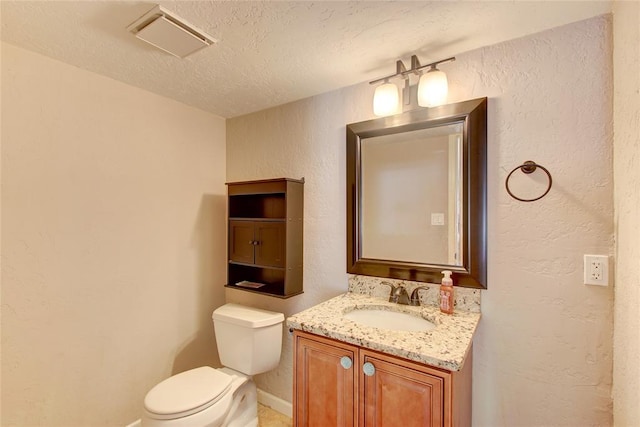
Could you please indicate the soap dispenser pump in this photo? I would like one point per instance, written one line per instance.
(446, 293)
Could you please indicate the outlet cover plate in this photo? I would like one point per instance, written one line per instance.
(596, 270)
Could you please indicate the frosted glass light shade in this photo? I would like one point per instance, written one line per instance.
(386, 100)
(432, 88)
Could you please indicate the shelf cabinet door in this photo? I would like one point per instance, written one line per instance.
(325, 386)
(399, 393)
(257, 242)
(270, 243)
(241, 247)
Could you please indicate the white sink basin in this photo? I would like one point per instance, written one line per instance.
(391, 320)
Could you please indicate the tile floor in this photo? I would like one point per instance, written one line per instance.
(267, 417)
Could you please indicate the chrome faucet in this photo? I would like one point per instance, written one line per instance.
(398, 294)
(415, 298)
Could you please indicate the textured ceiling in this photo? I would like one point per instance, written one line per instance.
(271, 53)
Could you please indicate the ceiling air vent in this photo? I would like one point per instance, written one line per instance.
(170, 33)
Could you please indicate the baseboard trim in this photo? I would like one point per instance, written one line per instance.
(275, 403)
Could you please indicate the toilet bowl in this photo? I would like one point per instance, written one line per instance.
(249, 342)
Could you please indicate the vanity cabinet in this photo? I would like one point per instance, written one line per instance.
(325, 382)
(340, 384)
(265, 236)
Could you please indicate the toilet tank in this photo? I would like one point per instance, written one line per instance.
(249, 339)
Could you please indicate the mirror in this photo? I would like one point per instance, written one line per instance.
(416, 195)
(397, 215)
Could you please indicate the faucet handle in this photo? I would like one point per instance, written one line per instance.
(415, 297)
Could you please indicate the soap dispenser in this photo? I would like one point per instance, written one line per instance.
(446, 293)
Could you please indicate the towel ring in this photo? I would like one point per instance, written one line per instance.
(528, 167)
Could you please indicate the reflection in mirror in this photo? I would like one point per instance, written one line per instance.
(411, 196)
(416, 195)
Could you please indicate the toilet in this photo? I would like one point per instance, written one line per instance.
(249, 342)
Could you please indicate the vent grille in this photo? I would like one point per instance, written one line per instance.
(169, 33)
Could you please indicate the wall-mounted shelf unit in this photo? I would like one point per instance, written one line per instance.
(265, 236)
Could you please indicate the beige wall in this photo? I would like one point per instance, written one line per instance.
(543, 352)
(626, 373)
(113, 242)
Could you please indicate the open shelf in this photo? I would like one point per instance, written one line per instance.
(264, 206)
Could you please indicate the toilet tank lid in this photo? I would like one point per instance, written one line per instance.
(247, 316)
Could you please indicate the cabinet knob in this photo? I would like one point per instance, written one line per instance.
(368, 369)
(346, 362)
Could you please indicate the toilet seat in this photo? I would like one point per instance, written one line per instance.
(187, 393)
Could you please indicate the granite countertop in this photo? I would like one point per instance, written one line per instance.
(445, 346)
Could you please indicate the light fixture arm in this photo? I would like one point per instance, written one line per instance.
(416, 68)
(415, 64)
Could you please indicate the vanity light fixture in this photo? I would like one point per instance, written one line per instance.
(386, 99)
(432, 87)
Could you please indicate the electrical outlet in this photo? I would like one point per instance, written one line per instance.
(596, 270)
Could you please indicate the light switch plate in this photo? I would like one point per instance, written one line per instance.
(437, 219)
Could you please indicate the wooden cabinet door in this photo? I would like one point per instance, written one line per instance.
(325, 386)
(270, 243)
(401, 393)
(241, 247)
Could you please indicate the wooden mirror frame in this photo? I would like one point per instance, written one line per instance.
(473, 116)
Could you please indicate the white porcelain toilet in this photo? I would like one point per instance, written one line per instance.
(249, 342)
